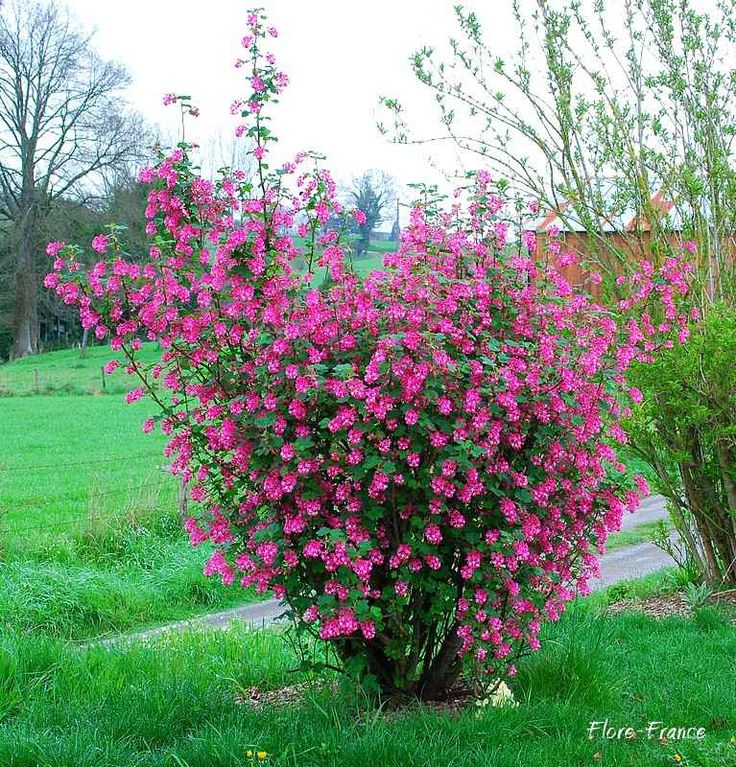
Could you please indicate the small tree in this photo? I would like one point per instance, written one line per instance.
(417, 463)
(370, 193)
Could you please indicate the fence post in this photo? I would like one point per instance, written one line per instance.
(35, 379)
(183, 500)
(102, 373)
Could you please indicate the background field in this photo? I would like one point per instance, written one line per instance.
(90, 538)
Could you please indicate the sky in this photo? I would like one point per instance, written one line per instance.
(339, 56)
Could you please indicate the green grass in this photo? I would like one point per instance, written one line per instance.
(66, 460)
(90, 540)
(374, 247)
(643, 533)
(382, 246)
(363, 266)
(171, 702)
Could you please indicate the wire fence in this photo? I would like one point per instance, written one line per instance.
(93, 495)
(69, 524)
(27, 382)
(62, 509)
(77, 464)
(79, 523)
(56, 494)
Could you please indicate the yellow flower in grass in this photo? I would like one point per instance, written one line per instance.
(249, 754)
(261, 755)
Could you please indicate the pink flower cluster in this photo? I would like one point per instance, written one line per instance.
(426, 447)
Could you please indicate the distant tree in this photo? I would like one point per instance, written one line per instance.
(226, 151)
(372, 192)
(396, 228)
(125, 204)
(63, 126)
(66, 220)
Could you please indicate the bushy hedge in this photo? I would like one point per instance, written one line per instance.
(686, 431)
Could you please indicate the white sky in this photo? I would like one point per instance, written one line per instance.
(340, 57)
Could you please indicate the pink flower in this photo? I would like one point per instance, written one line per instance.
(368, 629)
(432, 534)
(100, 243)
(311, 614)
(134, 395)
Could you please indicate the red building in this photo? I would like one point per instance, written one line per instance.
(624, 236)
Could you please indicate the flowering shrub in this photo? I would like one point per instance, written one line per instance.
(417, 462)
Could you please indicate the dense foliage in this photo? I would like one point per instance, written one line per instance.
(418, 463)
(686, 430)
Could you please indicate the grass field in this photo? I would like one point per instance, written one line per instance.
(644, 533)
(69, 371)
(172, 703)
(363, 266)
(90, 539)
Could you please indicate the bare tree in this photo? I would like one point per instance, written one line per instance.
(601, 106)
(372, 193)
(63, 125)
(225, 152)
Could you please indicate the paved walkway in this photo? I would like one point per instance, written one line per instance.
(650, 509)
(629, 562)
(640, 559)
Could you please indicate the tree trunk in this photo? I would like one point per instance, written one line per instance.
(24, 239)
(444, 669)
(25, 316)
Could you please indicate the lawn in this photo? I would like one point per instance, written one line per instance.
(90, 538)
(363, 266)
(644, 533)
(172, 702)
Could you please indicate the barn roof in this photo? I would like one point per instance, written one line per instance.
(621, 215)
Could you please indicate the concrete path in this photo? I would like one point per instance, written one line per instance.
(256, 615)
(629, 562)
(640, 559)
(650, 509)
